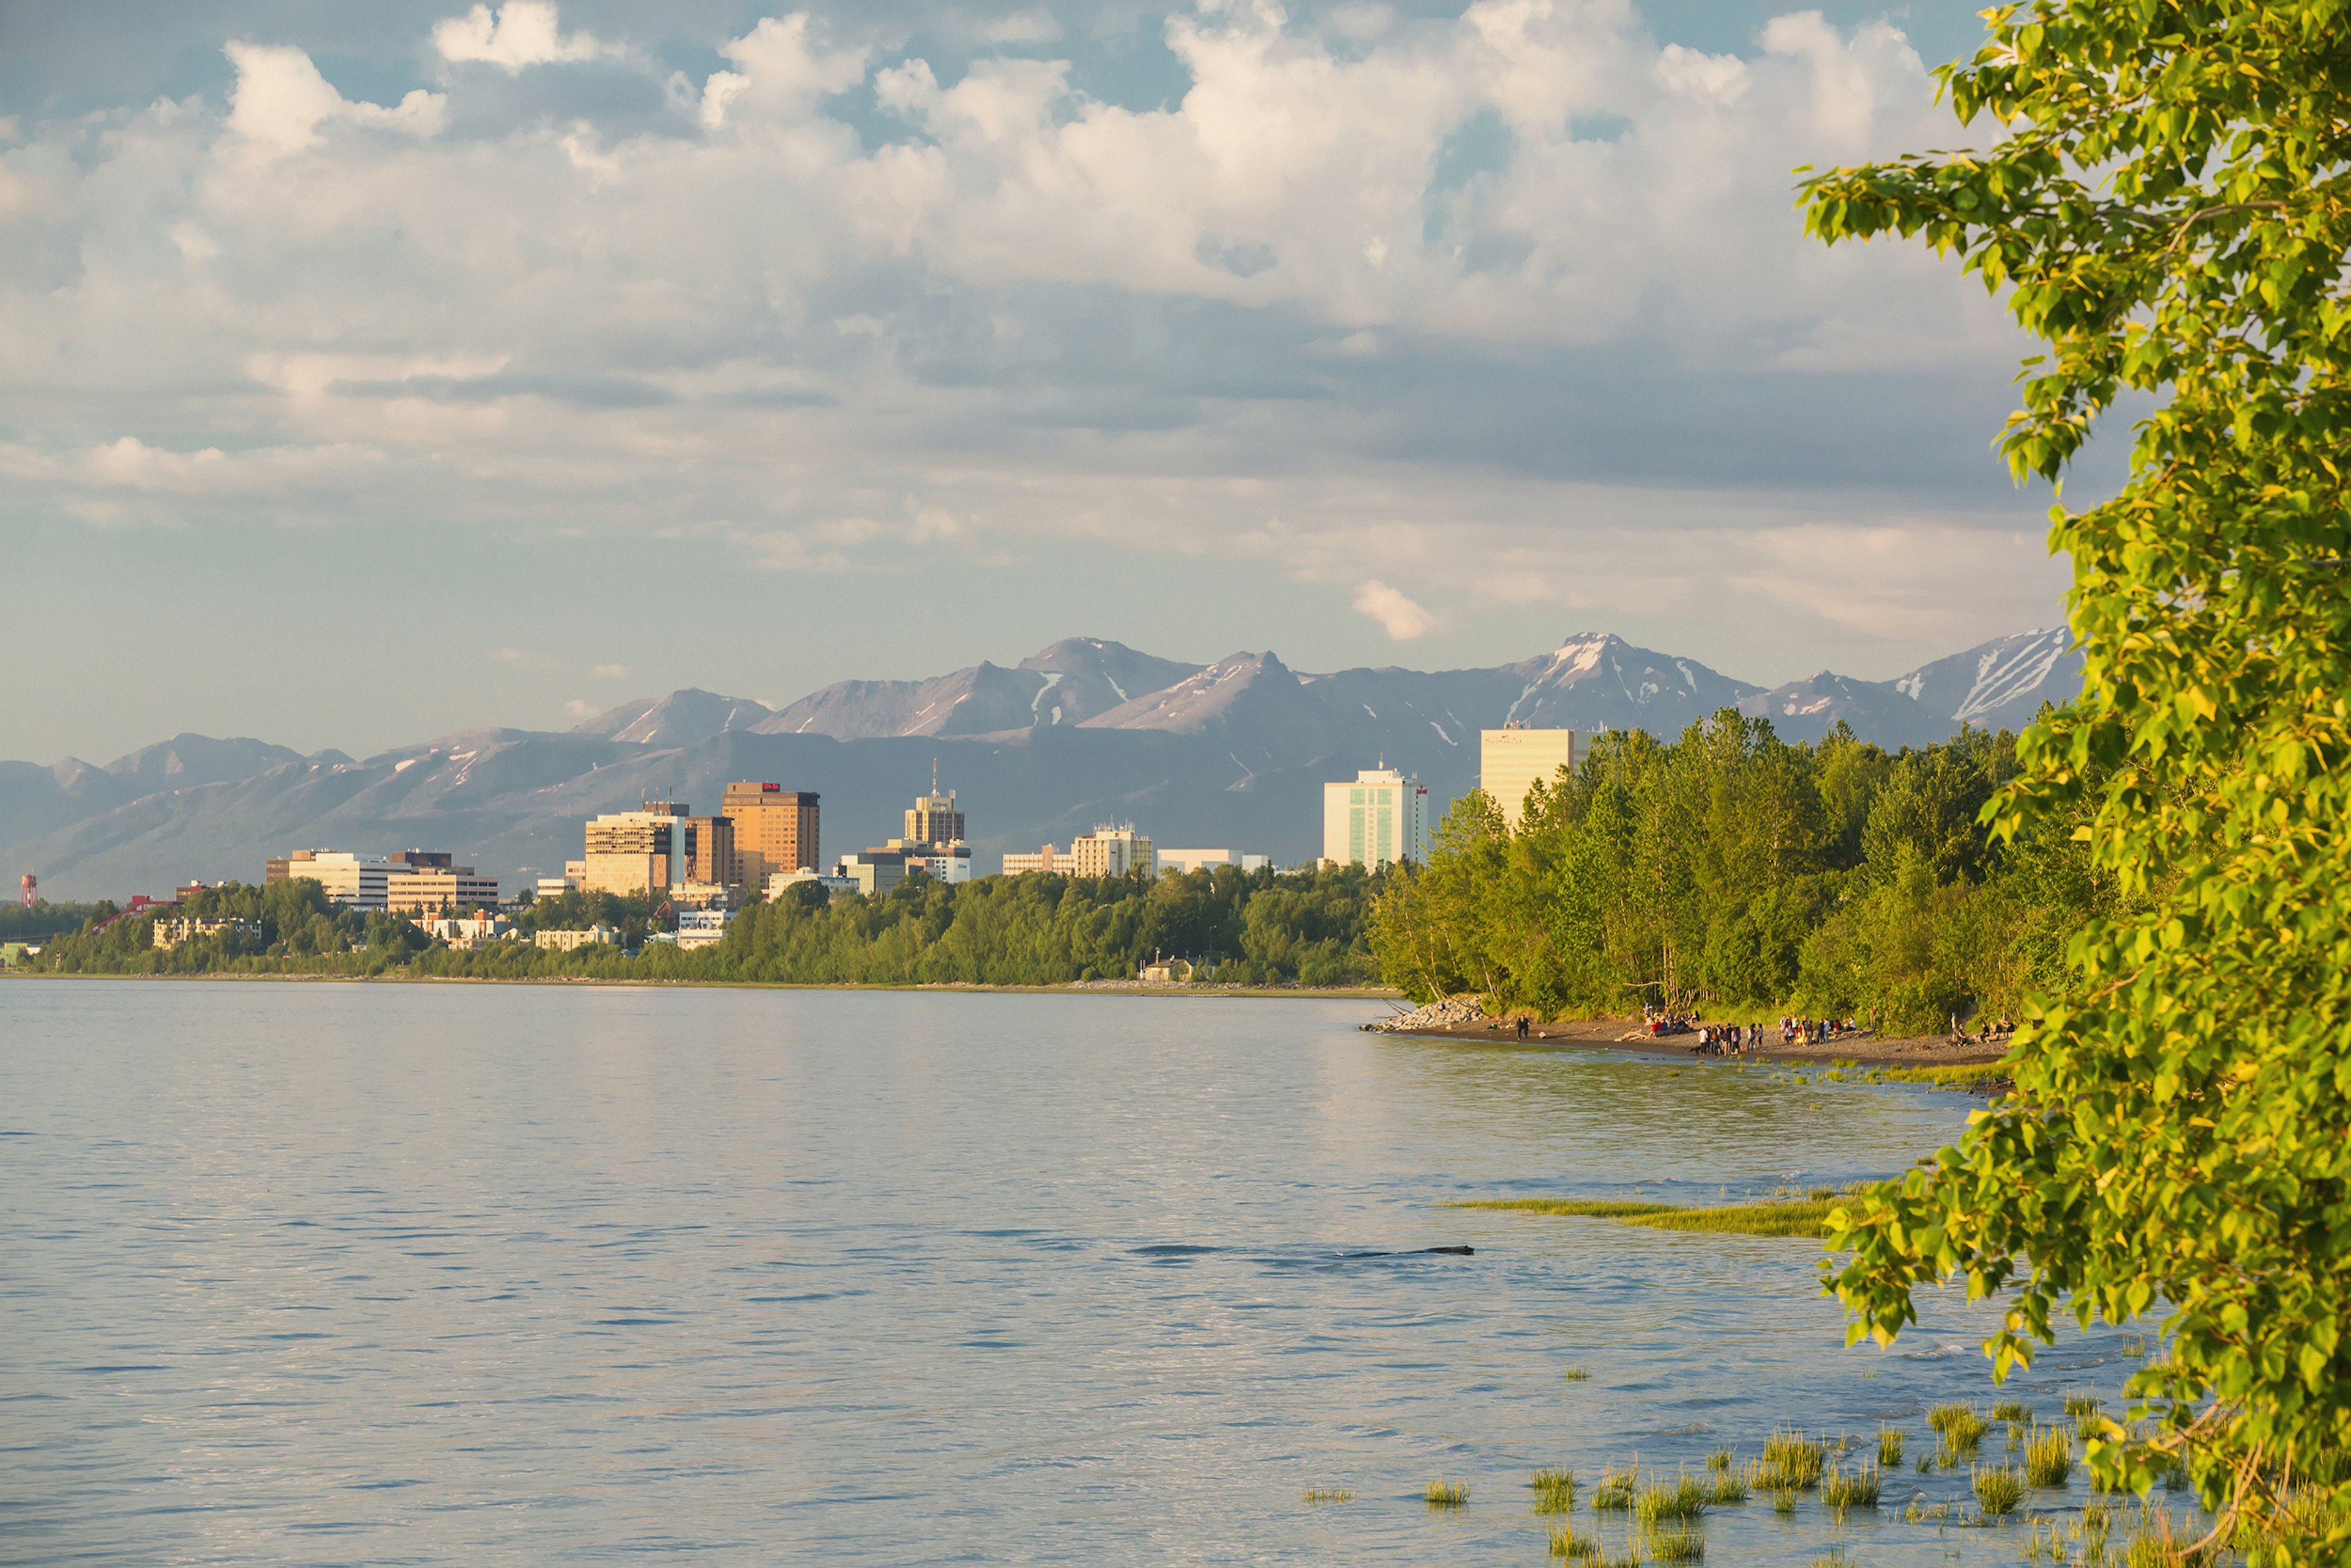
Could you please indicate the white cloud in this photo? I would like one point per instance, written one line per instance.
(281, 100)
(522, 33)
(1398, 616)
(1039, 317)
(611, 671)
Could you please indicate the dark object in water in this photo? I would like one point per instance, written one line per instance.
(1418, 1252)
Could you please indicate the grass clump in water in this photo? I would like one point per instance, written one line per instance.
(1661, 1503)
(1729, 1486)
(1448, 1494)
(1793, 1461)
(1565, 1542)
(1889, 1446)
(1555, 1491)
(2012, 1410)
(1805, 1218)
(1315, 1496)
(1998, 1489)
(1578, 1375)
(1718, 1461)
(1678, 1543)
(1573, 1207)
(1783, 1501)
(1614, 1492)
(2079, 1405)
(1841, 1491)
(1959, 1425)
(2049, 1457)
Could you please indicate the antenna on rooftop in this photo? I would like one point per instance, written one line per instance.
(935, 776)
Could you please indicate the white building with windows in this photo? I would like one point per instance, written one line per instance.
(1378, 817)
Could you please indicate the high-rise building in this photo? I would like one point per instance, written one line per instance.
(775, 830)
(1378, 817)
(1113, 850)
(1510, 761)
(934, 818)
(662, 842)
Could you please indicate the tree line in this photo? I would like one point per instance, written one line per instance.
(1734, 872)
(1240, 928)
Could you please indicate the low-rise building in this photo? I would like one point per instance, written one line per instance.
(1167, 972)
(567, 941)
(875, 871)
(467, 931)
(946, 862)
(171, 931)
(1048, 858)
(834, 885)
(353, 880)
(432, 890)
(1195, 859)
(556, 886)
(705, 895)
(701, 927)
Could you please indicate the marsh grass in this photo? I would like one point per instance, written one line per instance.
(1577, 1375)
(1998, 1489)
(2012, 1410)
(1555, 1491)
(1566, 1542)
(1448, 1494)
(1783, 1501)
(2049, 1457)
(1614, 1492)
(1803, 1218)
(1678, 1543)
(1731, 1486)
(1791, 1460)
(1961, 1428)
(1889, 1446)
(1662, 1502)
(1719, 1459)
(1842, 1492)
(1316, 1495)
(2078, 1405)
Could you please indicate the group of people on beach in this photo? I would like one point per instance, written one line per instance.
(1734, 1039)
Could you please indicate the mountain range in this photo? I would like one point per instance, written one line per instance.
(1231, 754)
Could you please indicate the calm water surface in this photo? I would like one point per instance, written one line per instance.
(350, 1273)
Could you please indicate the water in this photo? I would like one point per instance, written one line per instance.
(348, 1274)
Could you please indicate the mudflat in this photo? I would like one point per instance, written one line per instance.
(1625, 1034)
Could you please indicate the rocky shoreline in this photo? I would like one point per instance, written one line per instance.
(1464, 1018)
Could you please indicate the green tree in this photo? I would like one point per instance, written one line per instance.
(2167, 206)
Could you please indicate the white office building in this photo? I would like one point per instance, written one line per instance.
(701, 927)
(1378, 817)
(355, 882)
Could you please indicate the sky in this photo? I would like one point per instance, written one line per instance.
(372, 372)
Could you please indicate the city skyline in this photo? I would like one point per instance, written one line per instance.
(423, 340)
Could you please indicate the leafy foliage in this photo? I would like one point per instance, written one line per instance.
(2169, 208)
(1732, 870)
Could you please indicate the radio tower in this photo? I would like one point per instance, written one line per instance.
(32, 889)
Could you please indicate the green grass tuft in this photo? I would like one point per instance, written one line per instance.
(1660, 1502)
(1998, 1489)
(1809, 1217)
(1317, 1495)
(1962, 1428)
(1614, 1492)
(1730, 1486)
(1678, 1543)
(1448, 1494)
(1577, 1375)
(2049, 1457)
(2012, 1410)
(1841, 1491)
(1783, 1501)
(1555, 1491)
(1718, 1461)
(1792, 1462)
(1889, 1446)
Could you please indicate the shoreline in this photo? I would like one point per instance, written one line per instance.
(1070, 989)
(1610, 1034)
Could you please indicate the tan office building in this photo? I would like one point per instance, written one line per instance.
(1111, 851)
(935, 818)
(1378, 817)
(1510, 761)
(440, 890)
(774, 830)
(648, 849)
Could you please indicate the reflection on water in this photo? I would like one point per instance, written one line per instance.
(338, 1273)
